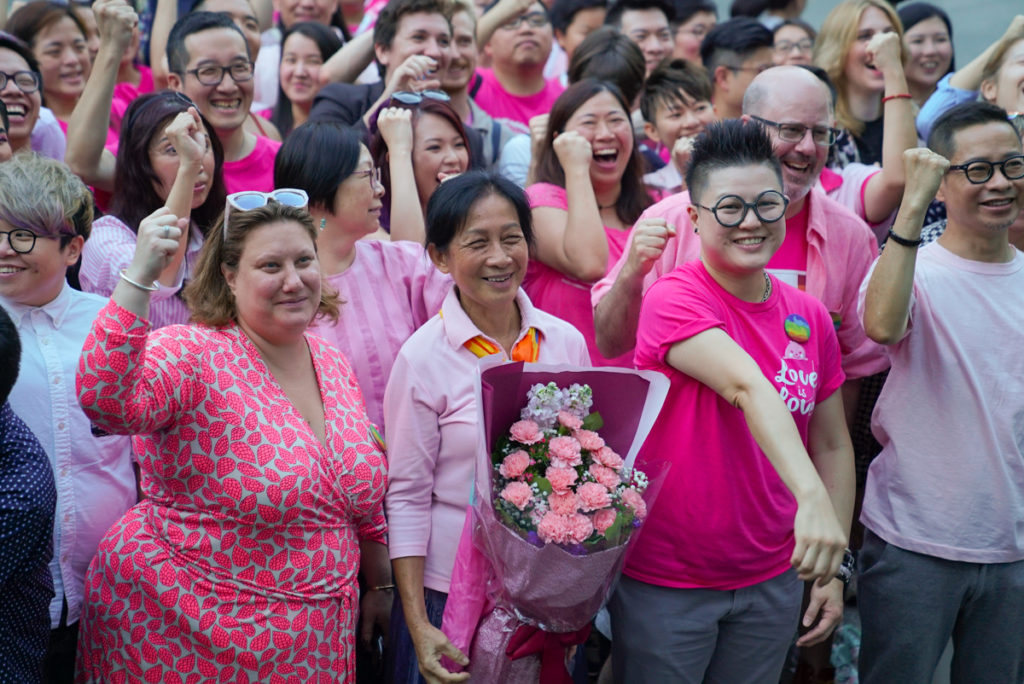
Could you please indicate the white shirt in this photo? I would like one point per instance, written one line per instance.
(93, 474)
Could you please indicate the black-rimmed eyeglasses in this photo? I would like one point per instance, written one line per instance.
(27, 81)
(981, 171)
(21, 241)
(532, 19)
(731, 210)
(794, 132)
(213, 74)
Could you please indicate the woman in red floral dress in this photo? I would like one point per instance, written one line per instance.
(261, 471)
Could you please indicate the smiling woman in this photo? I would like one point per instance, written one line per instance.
(590, 191)
(305, 47)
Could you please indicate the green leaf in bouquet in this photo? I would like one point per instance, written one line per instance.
(614, 534)
(593, 422)
(543, 484)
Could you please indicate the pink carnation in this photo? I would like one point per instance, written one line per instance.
(580, 528)
(604, 519)
(635, 502)
(569, 420)
(593, 496)
(526, 432)
(589, 440)
(564, 451)
(608, 458)
(517, 493)
(606, 476)
(563, 503)
(560, 478)
(514, 465)
(553, 528)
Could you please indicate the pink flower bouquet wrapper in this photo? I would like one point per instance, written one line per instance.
(502, 581)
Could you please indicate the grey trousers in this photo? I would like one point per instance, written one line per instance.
(690, 636)
(911, 604)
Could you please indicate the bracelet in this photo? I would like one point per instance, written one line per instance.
(846, 569)
(897, 96)
(904, 241)
(383, 587)
(140, 286)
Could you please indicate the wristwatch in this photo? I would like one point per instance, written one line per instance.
(846, 569)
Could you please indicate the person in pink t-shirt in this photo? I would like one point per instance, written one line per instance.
(760, 492)
(515, 88)
(589, 192)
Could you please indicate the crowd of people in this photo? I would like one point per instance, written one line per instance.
(252, 254)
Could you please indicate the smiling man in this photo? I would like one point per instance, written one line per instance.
(646, 23)
(734, 53)
(827, 250)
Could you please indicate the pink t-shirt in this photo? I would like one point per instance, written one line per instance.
(949, 481)
(389, 291)
(724, 518)
(255, 171)
(124, 93)
(562, 295)
(789, 264)
(500, 104)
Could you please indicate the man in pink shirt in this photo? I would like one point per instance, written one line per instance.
(827, 250)
(515, 88)
(943, 554)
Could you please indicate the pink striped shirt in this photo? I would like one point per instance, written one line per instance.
(390, 290)
(110, 248)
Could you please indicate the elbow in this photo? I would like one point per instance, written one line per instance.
(589, 273)
(882, 332)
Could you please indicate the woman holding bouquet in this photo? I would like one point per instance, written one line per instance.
(479, 230)
(760, 492)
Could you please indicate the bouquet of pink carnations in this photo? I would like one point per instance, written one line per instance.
(554, 509)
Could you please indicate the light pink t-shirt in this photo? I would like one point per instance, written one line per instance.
(389, 291)
(432, 417)
(724, 518)
(950, 479)
(562, 295)
(500, 104)
(255, 171)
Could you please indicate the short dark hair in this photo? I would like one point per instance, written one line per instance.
(387, 21)
(732, 40)
(327, 42)
(33, 17)
(195, 22)
(564, 11)
(319, 174)
(451, 203)
(800, 24)
(18, 46)
(134, 196)
(915, 12)
(676, 82)
(728, 143)
(754, 8)
(620, 7)
(633, 197)
(607, 55)
(10, 349)
(685, 9)
(942, 138)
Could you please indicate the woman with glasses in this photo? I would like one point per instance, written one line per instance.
(588, 194)
(262, 474)
(417, 141)
(794, 42)
(168, 156)
(389, 289)
(865, 89)
(760, 492)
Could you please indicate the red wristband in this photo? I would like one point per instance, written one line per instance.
(897, 96)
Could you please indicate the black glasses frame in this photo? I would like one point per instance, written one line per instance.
(224, 70)
(747, 206)
(991, 166)
(4, 77)
(8, 234)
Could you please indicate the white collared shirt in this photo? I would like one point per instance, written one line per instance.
(95, 482)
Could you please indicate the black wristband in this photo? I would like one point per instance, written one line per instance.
(904, 241)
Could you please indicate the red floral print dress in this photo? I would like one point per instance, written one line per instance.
(241, 563)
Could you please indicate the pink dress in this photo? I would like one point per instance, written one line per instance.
(241, 564)
(562, 295)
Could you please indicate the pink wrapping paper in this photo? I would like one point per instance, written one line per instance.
(501, 580)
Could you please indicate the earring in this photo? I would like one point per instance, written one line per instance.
(323, 223)
(694, 230)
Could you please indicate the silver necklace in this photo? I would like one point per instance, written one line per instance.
(767, 288)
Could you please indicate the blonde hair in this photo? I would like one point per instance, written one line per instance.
(995, 62)
(208, 295)
(838, 34)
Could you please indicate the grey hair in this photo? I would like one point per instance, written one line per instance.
(42, 195)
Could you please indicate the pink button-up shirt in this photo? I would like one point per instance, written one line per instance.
(840, 250)
(432, 416)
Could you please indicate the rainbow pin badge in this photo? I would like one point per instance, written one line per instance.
(797, 328)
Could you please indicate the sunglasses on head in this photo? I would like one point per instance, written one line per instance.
(247, 200)
(408, 97)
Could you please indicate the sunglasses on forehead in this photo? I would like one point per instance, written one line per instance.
(408, 97)
(247, 200)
